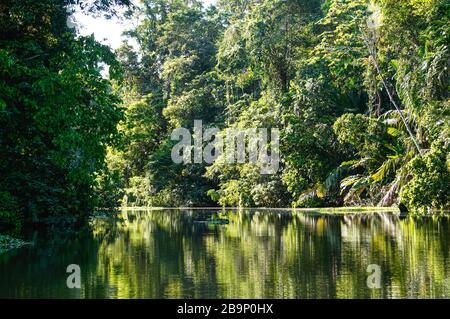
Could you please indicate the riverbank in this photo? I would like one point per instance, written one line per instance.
(325, 210)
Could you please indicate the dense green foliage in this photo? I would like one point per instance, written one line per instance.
(170, 82)
(57, 112)
(327, 73)
(358, 89)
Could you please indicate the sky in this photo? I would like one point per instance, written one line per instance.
(107, 31)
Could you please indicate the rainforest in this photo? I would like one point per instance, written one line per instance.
(358, 90)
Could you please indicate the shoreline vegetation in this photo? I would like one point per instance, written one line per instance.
(312, 209)
(320, 211)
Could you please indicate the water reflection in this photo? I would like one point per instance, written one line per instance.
(259, 254)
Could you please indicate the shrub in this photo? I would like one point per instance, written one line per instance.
(429, 186)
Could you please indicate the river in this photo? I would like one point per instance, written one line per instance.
(177, 253)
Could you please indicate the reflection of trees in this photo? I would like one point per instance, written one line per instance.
(258, 254)
(148, 251)
(415, 252)
(39, 270)
(270, 254)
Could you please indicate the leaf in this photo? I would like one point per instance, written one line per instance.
(393, 131)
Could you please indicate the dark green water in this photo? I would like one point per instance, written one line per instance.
(259, 254)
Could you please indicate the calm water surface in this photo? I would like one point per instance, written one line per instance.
(259, 254)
